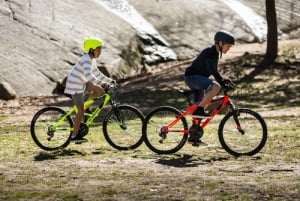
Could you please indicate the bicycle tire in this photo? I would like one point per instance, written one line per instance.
(122, 127)
(238, 143)
(158, 142)
(42, 134)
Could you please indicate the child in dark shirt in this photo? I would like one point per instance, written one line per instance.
(198, 73)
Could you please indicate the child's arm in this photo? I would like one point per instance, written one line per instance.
(95, 76)
(211, 66)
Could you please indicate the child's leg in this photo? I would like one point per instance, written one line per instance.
(212, 91)
(94, 90)
(78, 119)
(78, 100)
(201, 84)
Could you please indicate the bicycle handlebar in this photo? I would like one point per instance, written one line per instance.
(229, 86)
(107, 87)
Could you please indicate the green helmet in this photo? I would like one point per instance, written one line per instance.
(91, 43)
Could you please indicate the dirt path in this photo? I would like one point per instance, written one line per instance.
(95, 171)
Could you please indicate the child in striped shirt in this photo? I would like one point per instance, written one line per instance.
(86, 76)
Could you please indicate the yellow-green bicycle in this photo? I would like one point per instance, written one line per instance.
(51, 127)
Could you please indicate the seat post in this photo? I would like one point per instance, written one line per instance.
(189, 100)
(187, 94)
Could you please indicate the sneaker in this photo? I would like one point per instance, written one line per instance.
(193, 140)
(78, 140)
(199, 113)
(194, 137)
(197, 143)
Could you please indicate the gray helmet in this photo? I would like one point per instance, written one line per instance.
(225, 37)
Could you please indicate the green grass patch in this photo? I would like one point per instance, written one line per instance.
(2, 117)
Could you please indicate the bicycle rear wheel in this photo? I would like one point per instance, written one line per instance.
(49, 130)
(122, 127)
(158, 137)
(242, 132)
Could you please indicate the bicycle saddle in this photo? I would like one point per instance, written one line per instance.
(185, 92)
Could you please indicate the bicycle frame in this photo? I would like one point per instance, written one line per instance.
(105, 97)
(192, 107)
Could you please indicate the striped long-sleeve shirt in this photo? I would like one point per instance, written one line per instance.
(85, 70)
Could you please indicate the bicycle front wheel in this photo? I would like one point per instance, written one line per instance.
(51, 128)
(158, 136)
(242, 132)
(122, 127)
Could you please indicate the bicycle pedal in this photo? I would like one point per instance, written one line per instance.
(195, 144)
(79, 142)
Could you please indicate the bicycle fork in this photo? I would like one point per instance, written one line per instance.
(120, 118)
(236, 113)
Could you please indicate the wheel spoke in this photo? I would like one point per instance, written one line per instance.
(158, 136)
(123, 128)
(243, 134)
(48, 131)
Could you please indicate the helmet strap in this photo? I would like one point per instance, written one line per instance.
(220, 49)
(92, 53)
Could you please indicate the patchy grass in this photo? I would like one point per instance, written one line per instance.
(95, 171)
(2, 117)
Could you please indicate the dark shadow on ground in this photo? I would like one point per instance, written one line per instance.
(42, 156)
(188, 161)
(100, 151)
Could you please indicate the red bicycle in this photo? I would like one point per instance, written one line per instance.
(241, 131)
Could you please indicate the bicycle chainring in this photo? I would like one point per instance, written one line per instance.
(83, 130)
(196, 131)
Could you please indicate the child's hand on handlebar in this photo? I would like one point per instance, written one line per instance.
(113, 83)
(228, 84)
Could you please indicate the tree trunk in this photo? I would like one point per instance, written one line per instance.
(272, 35)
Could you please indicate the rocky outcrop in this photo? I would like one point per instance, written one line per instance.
(41, 40)
(189, 25)
(6, 91)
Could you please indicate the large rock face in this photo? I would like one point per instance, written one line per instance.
(41, 40)
(189, 25)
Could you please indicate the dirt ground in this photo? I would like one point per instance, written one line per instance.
(95, 171)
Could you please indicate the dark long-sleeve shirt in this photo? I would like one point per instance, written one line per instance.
(206, 64)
